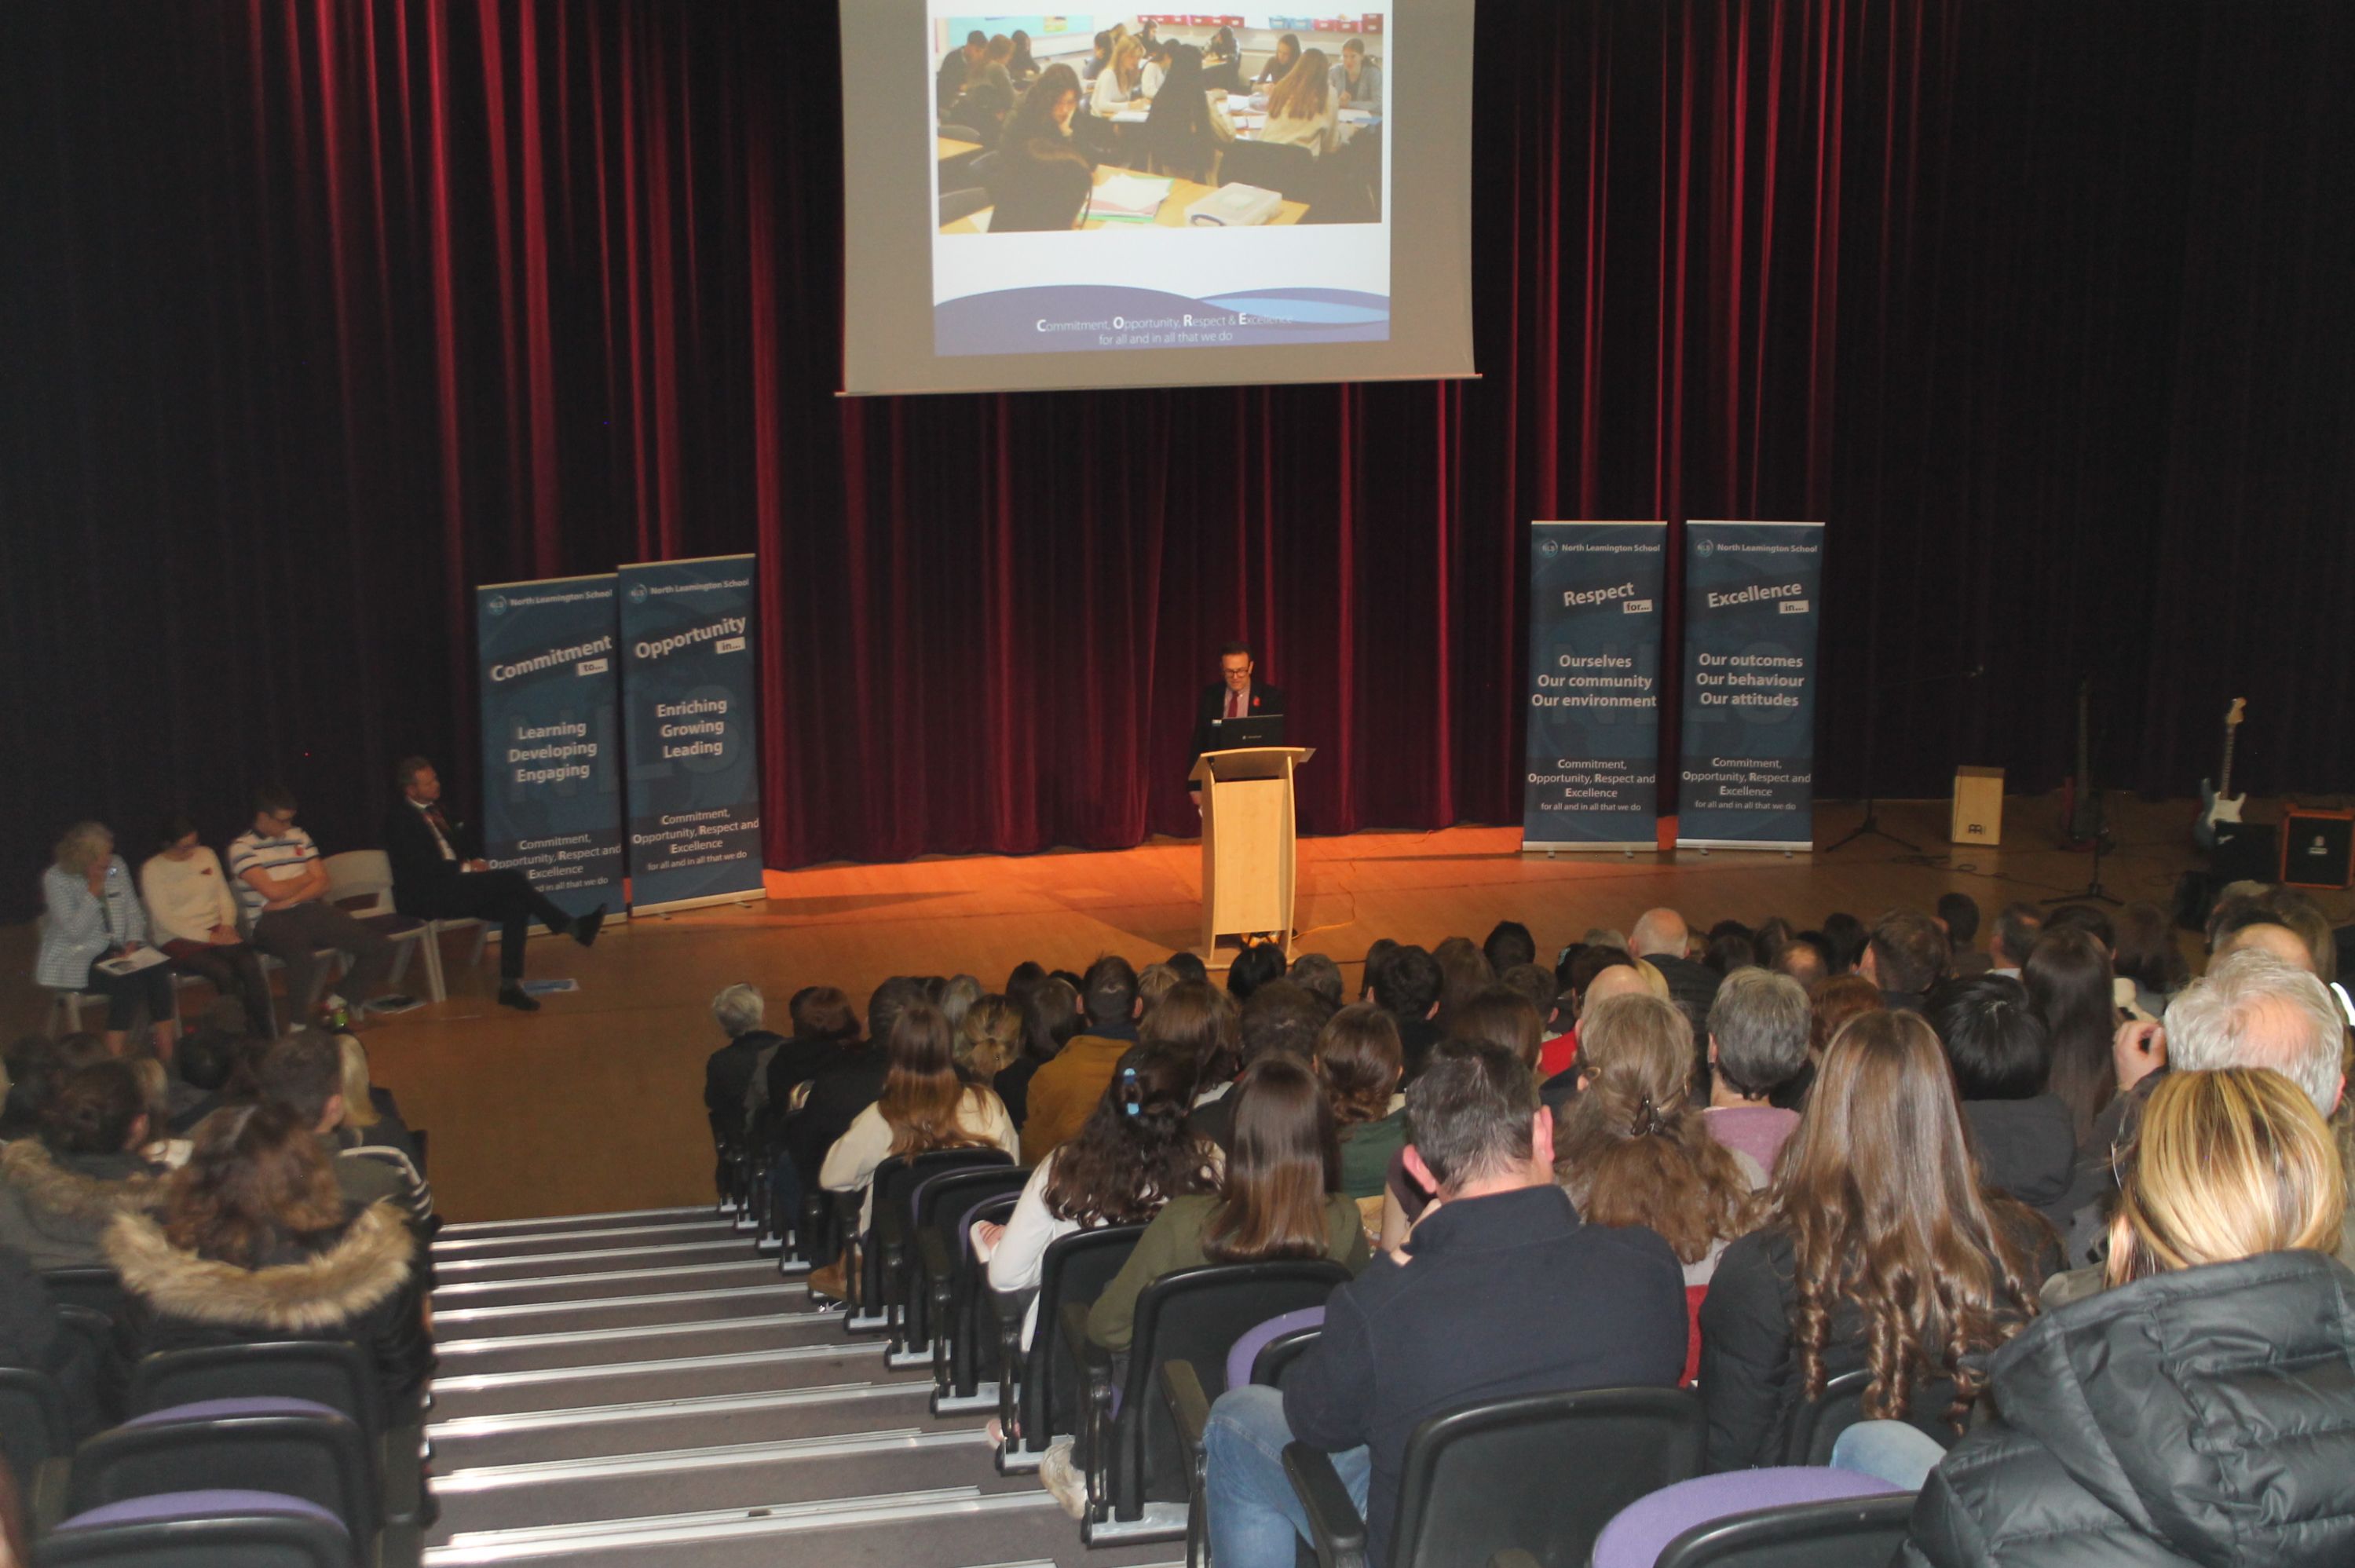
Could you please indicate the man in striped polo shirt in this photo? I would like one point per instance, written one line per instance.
(282, 887)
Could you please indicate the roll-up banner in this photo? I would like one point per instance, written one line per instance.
(551, 740)
(1747, 769)
(686, 695)
(1593, 765)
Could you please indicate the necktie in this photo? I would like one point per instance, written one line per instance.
(1234, 703)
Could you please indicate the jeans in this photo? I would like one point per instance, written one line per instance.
(1894, 1451)
(296, 934)
(232, 969)
(1255, 1518)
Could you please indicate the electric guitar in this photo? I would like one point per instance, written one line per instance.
(2218, 804)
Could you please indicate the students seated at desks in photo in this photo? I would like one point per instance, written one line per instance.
(1300, 109)
(1120, 87)
(1187, 126)
(1357, 81)
(955, 66)
(1156, 66)
(1020, 66)
(1043, 176)
(1279, 64)
(1222, 62)
(988, 95)
(1093, 67)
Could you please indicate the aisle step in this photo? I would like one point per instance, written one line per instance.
(585, 1260)
(741, 1476)
(945, 1527)
(769, 1301)
(668, 1424)
(523, 1243)
(649, 1342)
(651, 1280)
(548, 1224)
(681, 1377)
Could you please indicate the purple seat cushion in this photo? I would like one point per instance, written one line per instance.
(217, 1409)
(1247, 1349)
(1638, 1533)
(218, 1504)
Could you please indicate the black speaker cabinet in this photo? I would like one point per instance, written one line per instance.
(2317, 847)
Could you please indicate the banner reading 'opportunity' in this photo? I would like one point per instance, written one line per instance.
(551, 779)
(1748, 773)
(695, 777)
(1592, 776)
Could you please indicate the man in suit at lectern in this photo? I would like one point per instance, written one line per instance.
(437, 874)
(1234, 695)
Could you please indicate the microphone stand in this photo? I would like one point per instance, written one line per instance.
(1870, 827)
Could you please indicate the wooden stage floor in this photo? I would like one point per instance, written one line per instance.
(595, 1102)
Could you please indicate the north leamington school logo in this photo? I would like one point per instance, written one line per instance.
(1549, 546)
(1704, 547)
(497, 604)
(637, 592)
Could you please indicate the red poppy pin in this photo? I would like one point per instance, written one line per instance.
(1254, 702)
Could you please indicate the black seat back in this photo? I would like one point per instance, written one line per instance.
(320, 1458)
(333, 1373)
(93, 1286)
(1074, 1271)
(1541, 1472)
(896, 1179)
(1817, 1424)
(1847, 1532)
(1195, 1314)
(942, 1201)
(280, 1541)
(36, 1424)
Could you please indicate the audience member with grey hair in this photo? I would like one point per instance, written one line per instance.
(957, 997)
(2250, 1009)
(1757, 1043)
(731, 1070)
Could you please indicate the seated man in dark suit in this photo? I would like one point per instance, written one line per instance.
(1234, 695)
(435, 877)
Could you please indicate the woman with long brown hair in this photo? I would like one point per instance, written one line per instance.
(1278, 1198)
(1359, 1060)
(256, 1243)
(2068, 978)
(927, 1104)
(1300, 108)
(1635, 1151)
(2198, 1410)
(1885, 1253)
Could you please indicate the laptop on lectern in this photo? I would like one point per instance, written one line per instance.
(1237, 734)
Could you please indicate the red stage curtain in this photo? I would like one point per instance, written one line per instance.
(319, 312)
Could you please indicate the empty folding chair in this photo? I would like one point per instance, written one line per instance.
(200, 1530)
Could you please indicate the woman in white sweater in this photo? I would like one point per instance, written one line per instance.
(1132, 1156)
(925, 1106)
(193, 914)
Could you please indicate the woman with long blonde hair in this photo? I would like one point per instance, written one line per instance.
(2203, 1408)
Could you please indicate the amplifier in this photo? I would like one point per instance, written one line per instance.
(2317, 847)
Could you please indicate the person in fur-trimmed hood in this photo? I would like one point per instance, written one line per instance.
(255, 1244)
(59, 1192)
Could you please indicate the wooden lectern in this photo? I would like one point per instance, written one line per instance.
(1247, 842)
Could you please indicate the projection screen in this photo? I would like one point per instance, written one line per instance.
(1125, 198)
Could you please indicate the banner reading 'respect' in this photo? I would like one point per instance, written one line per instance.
(1748, 765)
(551, 775)
(1591, 778)
(686, 691)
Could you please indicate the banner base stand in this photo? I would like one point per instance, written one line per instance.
(748, 896)
(1763, 845)
(1586, 846)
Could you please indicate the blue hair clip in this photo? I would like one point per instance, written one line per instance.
(1128, 1086)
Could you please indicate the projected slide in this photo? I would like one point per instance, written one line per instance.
(1124, 182)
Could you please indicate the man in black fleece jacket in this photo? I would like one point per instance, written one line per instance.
(1499, 1291)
